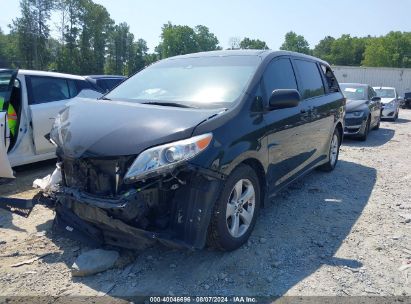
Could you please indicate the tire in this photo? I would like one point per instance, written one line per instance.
(228, 210)
(364, 136)
(333, 152)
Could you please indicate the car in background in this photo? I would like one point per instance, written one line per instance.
(363, 110)
(186, 151)
(37, 98)
(390, 102)
(407, 101)
(105, 83)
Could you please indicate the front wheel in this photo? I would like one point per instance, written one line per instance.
(333, 152)
(364, 136)
(377, 127)
(236, 210)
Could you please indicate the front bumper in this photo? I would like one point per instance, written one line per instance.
(120, 221)
(388, 112)
(354, 126)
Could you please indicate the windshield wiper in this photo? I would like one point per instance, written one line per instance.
(167, 104)
(104, 98)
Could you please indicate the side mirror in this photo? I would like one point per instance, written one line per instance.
(376, 98)
(284, 98)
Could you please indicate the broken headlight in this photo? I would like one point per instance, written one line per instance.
(163, 158)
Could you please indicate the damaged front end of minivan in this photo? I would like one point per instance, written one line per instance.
(173, 208)
(133, 201)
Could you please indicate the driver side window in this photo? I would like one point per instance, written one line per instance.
(279, 75)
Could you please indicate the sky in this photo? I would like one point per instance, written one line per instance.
(263, 19)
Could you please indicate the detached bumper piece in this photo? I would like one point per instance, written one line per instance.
(173, 211)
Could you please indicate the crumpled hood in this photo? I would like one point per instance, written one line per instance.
(387, 100)
(355, 105)
(96, 128)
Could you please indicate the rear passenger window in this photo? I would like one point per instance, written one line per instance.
(47, 89)
(311, 81)
(332, 82)
(279, 75)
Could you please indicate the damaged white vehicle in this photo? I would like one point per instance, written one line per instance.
(36, 97)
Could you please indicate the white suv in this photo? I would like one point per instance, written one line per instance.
(36, 97)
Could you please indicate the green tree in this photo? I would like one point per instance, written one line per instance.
(392, 50)
(96, 25)
(255, 44)
(206, 40)
(3, 43)
(25, 30)
(33, 32)
(151, 58)
(182, 39)
(295, 43)
(136, 58)
(323, 49)
(177, 40)
(348, 50)
(70, 27)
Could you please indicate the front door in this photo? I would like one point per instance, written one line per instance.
(284, 126)
(7, 79)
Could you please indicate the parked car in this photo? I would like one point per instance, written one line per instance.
(390, 102)
(105, 83)
(407, 100)
(187, 151)
(363, 110)
(37, 97)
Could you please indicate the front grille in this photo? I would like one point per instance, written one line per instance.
(101, 177)
(353, 121)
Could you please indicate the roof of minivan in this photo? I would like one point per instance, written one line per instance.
(260, 53)
(49, 74)
(354, 84)
(106, 76)
(384, 88)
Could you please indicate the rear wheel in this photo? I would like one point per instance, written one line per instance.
(333, 153)
(236, 210)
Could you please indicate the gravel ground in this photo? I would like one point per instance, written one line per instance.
(341, 233)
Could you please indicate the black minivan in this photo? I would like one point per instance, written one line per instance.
(187, 151)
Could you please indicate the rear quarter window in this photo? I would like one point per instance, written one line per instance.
(311, 83)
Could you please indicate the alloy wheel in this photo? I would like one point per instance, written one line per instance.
(334, 150)
(240, 208)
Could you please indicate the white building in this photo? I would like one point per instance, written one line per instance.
(386, 77)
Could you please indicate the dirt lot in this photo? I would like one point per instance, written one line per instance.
(344, 233)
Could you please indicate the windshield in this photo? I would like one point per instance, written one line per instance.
(385, 93)
(202, 82)
(354, 92)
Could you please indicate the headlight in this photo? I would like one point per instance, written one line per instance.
(163, 158)
(354, 114)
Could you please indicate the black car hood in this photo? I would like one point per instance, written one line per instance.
(355, 105)
(96, 128)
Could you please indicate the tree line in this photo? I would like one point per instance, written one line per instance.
(88, 41)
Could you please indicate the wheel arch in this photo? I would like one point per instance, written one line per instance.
(340, 129)
(259, 170)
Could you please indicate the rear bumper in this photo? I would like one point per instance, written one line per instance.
(103, 221)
